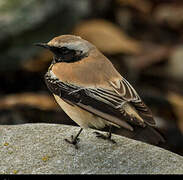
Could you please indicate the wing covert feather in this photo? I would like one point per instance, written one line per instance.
(102, 102)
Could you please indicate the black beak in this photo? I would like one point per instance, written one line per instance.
(44, 45)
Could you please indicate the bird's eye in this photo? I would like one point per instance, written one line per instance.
(64, 50)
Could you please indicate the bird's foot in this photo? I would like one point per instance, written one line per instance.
(74, 141)
(105, 137)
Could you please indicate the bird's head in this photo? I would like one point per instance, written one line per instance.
(68, 48)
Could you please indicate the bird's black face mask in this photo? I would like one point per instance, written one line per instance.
(64, 54)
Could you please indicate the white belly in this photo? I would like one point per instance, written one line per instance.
(83, 118)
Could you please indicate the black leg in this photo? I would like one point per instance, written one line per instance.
(74, 140)
(106, 137)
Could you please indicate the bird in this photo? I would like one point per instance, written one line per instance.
(91, 91)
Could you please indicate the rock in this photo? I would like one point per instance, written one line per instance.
(23, 23)
(175, 66)
(169, 14)
(27, 15)
(99, 32)
(41, 149)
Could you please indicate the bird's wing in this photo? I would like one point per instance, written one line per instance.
(119, 104)
(128, 94)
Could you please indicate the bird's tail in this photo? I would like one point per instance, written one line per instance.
(146, 134)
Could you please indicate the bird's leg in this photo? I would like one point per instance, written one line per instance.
(74, 140)
(106, 137)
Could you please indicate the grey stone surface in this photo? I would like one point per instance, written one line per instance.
(41, 149)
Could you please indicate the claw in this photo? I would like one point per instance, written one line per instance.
(73, 141)
(105, 137)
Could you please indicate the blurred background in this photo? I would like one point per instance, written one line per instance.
(142, 38)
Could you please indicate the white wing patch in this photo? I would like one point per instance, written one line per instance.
(125, 90)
